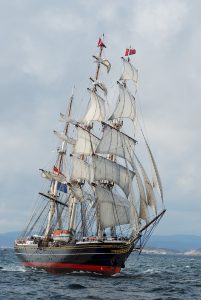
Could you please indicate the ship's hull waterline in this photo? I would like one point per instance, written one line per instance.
(100, 258)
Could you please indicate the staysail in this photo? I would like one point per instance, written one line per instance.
(151, 200)
(157, 179)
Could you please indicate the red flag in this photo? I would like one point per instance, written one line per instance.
(56, 170)
(100, 43)
(130, 52)
(127, 52)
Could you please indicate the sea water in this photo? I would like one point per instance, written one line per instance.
(146, 276)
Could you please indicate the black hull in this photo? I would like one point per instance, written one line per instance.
(101, 258)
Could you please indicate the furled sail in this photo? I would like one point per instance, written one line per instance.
(116, 143)
(125, 107)
(101, 86)
(96, 109)
(105, 169)
(66, 119)
(104, 62)
(113, 209)
(86, 142)
(129, 71)
(52, 176)
(64, 137)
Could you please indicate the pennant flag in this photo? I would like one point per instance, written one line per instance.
(62, 187)
(101, 44)
(130, 52)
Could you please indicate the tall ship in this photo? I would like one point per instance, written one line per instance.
(102, 196)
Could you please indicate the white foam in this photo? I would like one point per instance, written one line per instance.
(13, 268)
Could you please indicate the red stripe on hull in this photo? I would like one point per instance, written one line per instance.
(62, 266)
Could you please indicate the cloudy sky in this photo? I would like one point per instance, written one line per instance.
(46, 48)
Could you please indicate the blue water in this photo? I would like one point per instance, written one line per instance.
(145, 277)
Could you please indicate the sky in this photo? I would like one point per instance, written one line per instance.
(47, 46)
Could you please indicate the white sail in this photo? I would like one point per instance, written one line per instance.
(143, 213)
(116, 143)
(64, 137)
(81, 170)
(102, 169)
(77, 191)
(129, 71)
(125, 107)
(52, 176)
(105, 169)
(65, 119)
(101, 86)
(96, 109)
(134, 219)
(86, 142)
(151, 200)
(113, 209)
(157, 180)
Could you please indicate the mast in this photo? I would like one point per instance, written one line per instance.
(58, 168)
(99, 232)
(135, 225)
(101, 45)
(72, 214)
(96, 111)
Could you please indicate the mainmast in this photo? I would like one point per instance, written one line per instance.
(84, 131)
(101, 45)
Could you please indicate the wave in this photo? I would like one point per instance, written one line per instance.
(12, 268)
(76, 286)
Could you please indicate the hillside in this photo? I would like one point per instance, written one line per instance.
(7, 239)
(175, 242)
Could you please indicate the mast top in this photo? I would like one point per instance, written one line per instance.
(101, 45)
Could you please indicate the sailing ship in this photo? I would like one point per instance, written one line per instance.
(100, 202)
